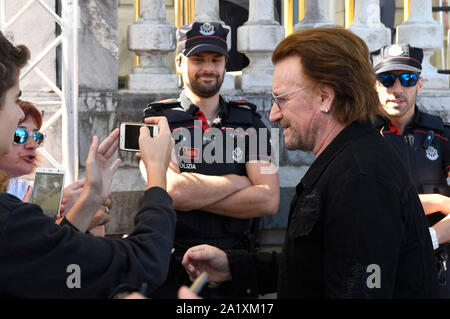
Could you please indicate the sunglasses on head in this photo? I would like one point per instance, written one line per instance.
(406, 79)
(21, 136)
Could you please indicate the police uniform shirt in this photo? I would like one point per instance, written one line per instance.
(219, 148)
(424, 149)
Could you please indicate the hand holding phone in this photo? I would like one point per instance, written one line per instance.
(129, 135)
(48, 189)
(156, 151)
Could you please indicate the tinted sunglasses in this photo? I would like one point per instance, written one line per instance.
(406, 79)
(21, 136)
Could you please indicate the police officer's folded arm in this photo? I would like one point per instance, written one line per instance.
(259, 199)
(193, 190)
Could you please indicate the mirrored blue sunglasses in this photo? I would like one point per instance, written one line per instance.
(21, 136)
(406, 79)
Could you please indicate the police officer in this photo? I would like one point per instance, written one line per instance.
(222, 177)
(421, 139)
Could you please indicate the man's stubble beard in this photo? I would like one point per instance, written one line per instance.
(205, 91)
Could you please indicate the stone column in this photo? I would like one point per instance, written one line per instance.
(367, 24)
(421, 30)
(257, 39)
(316, 15)
(152, 37)
(208, 11)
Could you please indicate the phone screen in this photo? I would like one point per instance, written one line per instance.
(132, 136)
(47, 192)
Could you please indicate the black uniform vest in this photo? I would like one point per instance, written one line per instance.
(424, 149)
(217, 149)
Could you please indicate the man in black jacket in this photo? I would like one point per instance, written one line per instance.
(39, 259)
(356, 228)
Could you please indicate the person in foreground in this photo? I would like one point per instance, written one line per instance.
(356, 228)
(40, 259)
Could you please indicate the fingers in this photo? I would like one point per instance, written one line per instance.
(59, 218)
(27, 196)
(75, 185)
(160, 121)
(185, 293)
(108, 202)
(114, 166)
(193, 257)
(93, 150)
(135, 295)
(110, 144)
(144, 132)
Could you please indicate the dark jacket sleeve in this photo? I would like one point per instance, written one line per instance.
(253, 274)
(40, 259)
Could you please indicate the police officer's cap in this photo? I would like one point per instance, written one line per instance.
(202, 37)
(397, 57)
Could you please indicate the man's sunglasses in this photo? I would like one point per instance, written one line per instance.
(406, 79)
(21, 136)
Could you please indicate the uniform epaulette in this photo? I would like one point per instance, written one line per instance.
(244, 104)
(159, 106)
(446, 124)
(168, 103)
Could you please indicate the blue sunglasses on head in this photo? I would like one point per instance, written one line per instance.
(21, 136)
(406, 79)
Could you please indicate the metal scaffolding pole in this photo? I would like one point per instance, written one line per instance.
(70, 22)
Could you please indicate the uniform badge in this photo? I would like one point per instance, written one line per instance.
(207, 29)
(395, 50)
(237, 154)
(432, 153)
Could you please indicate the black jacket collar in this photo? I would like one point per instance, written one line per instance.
(349, 133)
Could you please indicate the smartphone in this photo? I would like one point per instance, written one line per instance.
(129, 135)
(48, 190)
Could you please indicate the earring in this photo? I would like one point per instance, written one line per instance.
(326, 111)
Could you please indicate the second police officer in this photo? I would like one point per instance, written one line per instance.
(421, 139)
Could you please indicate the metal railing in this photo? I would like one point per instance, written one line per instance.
(68, 93)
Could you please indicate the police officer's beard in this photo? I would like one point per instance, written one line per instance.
(206, 90)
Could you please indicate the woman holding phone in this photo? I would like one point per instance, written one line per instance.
(43, 260)
(23, 160)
